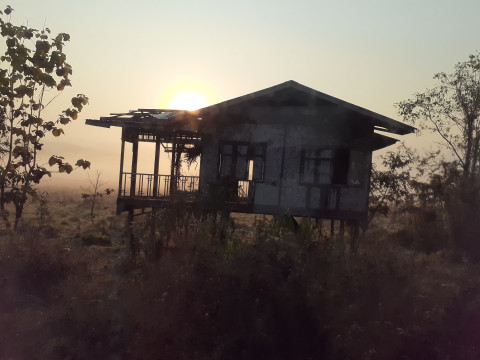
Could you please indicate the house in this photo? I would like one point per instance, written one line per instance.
(287, 149)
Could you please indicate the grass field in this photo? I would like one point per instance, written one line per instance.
(262, 292)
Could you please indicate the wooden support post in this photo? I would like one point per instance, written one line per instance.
(332, 228)
(133, 183)
(155, 168)
(156, 243)
(342, 229)
(153, 215)
(173, 183)
(130, 246)
(354, 239)
(120, 177)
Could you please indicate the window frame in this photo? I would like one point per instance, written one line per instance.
(255, 151)
(338, 170)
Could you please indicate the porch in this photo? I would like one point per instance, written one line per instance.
(141, 190)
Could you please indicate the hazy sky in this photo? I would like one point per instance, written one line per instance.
(133, 54)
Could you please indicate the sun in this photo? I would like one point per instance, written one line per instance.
(186, 95)
(188, 100)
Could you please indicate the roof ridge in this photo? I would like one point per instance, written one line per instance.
(389, 124)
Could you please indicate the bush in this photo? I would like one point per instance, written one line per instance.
(425, 231)
(274, 293)
(94, 238)
(284, 295)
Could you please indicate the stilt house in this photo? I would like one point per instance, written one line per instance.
(284, 150)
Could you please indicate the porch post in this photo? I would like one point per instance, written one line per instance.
(134, 167)
(120, 177)
(173, 183)
(155, 167)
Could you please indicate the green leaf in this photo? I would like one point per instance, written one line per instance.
(11, 42)
(72, 113)
(85, 164)
(57, 132)
(64, 120)
(52, 161)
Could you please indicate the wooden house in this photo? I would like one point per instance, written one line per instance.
(284, 150)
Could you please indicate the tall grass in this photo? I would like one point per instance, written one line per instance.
(262, 291)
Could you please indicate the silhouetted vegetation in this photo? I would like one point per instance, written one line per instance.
(451, 110)
(33, 72)
(262, 291)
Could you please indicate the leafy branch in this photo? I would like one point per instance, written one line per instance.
(32, 65)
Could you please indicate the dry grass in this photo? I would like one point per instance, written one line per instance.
(264, 292)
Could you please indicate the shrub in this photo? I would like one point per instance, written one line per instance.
(286, 295)
(274, 294)
(95, 238)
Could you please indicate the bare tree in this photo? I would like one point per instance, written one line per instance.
(451, 109)
(96, 193)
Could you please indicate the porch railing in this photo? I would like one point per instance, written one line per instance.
(150, 185)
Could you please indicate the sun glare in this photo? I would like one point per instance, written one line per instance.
(188, 100)
(187, 95)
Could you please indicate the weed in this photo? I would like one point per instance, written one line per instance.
(267, 292)
(95, 238)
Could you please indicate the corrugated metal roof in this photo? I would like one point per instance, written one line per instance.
(390, 125)
(142, 117)
(159, 117)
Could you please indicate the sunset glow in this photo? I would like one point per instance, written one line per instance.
(187, 95)
(188, 100)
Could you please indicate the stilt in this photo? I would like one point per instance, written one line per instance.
(215, 225)
(131, 246)
(295, 224)
(342, 230)
(354, 238)
(152, 222)
(157, 246)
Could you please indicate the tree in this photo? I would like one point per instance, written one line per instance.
(95, 193)
(33, 73)
(451, 109)
(390, 186)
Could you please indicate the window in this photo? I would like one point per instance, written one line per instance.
(324, 166)
(242, 161)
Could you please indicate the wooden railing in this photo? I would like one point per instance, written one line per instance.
(150, 185)
(159, 186)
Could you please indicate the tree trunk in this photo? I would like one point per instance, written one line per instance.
(3, 212)
(18, 215)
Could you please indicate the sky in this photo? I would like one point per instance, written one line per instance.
(136, 54)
